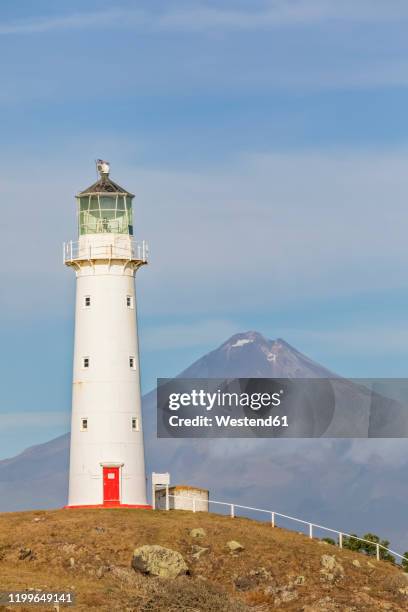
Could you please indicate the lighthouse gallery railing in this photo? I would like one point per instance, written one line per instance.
(132, 250)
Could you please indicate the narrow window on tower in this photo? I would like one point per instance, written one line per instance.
(132, 363)
(129, 301)
(135, 424)
(85, 362)
(87, 301)
(84, 424)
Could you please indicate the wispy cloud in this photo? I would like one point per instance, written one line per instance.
(22, 420)
(197, 17)
(289, 239)
(296, 30)
(244, 233)
(275, 13)
(392, 452)
(391, 339)
(199, 333)
(73, 21)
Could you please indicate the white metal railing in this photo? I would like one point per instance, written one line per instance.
(132, 250)
(273, 515)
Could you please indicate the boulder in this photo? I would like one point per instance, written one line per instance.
(331, 569)
(198, 532)
(328, 562)
(155, 560)
(234, 546)
(25, 553)
(198, 551)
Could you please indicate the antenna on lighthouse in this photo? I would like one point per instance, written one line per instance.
(103, 167)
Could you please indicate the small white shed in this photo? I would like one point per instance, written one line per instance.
(183, 497)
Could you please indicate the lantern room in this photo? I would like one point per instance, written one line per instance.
(105, 207)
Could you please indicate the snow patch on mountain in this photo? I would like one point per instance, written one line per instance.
(241, 342)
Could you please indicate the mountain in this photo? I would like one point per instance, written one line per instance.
(36, 478)
(250, 355)
(352, 485)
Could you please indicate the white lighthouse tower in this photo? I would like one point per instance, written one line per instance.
(107, 456)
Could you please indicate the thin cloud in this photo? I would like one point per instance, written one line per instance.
(275, 13)
(393, 452)
(74, 21)
(22, 420)
(255, 238)
(196, 334)
(392, 339)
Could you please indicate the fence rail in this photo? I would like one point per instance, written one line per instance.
(273, 515)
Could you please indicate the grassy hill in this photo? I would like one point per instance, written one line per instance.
(90, 552)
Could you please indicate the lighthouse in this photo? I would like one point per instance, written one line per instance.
(107, 455)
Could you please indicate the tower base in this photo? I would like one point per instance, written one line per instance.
(110, 505)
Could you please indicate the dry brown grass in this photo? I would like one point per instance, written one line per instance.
(101, 543)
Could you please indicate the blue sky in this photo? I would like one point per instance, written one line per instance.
(267, 144)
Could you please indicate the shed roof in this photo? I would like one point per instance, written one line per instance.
(186, 488)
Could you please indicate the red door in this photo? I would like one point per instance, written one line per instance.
(110, 485)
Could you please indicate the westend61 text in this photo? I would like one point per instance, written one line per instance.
(227, 421)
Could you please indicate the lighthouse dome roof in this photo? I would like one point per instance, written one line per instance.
(105, 185)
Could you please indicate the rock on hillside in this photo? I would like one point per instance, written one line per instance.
(91, 552)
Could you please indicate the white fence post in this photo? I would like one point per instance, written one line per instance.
(273, 519)
(167, 498)
(378, 552)
(340, 540)
(232, 511)
(310, 530)
(194, 504)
